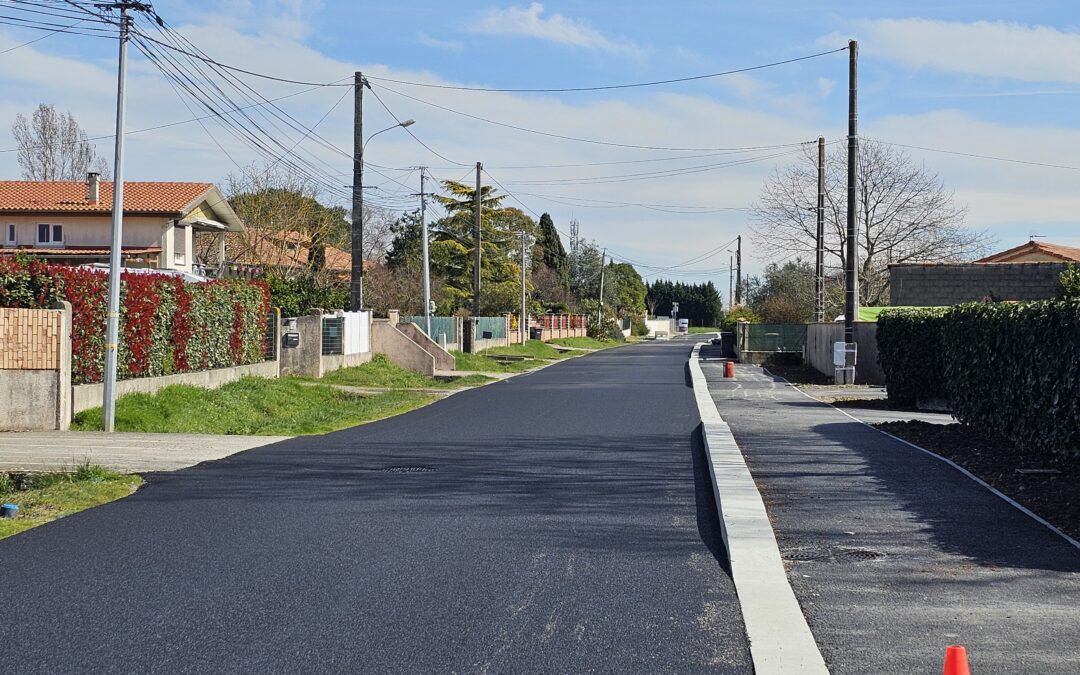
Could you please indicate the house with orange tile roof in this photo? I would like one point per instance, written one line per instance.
(1035, 251)
(70, 222)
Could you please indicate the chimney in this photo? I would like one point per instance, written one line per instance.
(93, 187)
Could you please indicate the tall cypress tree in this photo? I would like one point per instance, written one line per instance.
(552, 252)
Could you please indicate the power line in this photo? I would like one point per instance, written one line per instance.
(612, 86)
(977, 156)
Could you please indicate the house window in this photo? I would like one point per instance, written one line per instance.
(11, 239)
(50, 234)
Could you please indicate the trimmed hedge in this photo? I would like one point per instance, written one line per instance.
(167, 326)
(1014, 370)
(910, 352)
(1009, 369)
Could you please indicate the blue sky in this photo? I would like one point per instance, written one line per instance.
(989, 78)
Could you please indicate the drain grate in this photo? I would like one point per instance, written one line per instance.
(407, 469)
(825, 554)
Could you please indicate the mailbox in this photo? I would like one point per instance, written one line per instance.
(290, 340)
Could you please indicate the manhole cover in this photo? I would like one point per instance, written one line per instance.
(407, 469)
(824, 554)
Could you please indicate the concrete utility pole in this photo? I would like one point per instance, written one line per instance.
(738, 272)
(424, 248)
(730, 277)
(521, 317)
(356, 270)
(600, 312)
(112, 316)
(819, 266)
(477, 237)
(851, 290)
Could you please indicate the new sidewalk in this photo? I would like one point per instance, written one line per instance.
(893, 554)
(124, 452)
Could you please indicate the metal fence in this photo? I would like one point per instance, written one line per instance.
(272, 321)
(491, 327)
(333, 333)
(771, 337)
(445, 325)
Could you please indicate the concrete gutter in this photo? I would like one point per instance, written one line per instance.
(780, 639)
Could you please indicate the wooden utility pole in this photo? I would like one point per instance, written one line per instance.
(356, 267)
(478, 238)
(819, 266)
(424, 249)
(600, 312)
(851, 287)
(521, 318)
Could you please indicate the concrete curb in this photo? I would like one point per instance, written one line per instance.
(780, 639)
(1023, 509)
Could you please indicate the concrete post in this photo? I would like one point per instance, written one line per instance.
(63, 373)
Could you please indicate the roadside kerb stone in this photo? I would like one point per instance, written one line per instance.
(780, 639)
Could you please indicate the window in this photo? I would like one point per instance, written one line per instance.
(49, 234)
(11, 239)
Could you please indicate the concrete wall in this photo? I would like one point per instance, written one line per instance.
(819, 350)
(924, 285)
(35, 369)
(332, 362)
(304, 360)
(86, 396)
(660, 324)
(399, 348)
(443, 359)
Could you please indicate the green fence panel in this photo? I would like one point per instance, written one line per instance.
(774, 337)
(439, 325)
(496, 325)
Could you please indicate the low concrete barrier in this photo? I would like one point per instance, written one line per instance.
(86, 396)
(444, 360)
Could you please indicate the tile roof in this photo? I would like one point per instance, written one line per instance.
(1067, 253)
(74, 251)
(20, 196)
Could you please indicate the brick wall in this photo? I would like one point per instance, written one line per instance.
(29, 339)
(924, 285)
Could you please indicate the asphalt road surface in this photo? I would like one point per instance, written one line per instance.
(561, 521)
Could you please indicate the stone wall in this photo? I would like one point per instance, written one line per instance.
(928, 285)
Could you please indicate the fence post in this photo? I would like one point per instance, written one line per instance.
(64, 393)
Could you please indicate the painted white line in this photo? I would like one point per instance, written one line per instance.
(1023, 509)
(780, 639)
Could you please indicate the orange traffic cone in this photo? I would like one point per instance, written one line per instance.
(956, 661)
(729, 369)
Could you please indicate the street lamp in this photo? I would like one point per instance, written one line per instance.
(356, 294)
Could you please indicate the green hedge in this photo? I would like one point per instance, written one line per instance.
(910, 352)
(1014, 370)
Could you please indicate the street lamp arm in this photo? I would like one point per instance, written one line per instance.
(404, 124)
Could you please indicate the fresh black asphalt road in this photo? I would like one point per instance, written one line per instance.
(560, 521)
(892, 553)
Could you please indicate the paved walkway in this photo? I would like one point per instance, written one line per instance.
(894, 554)
(124, 452)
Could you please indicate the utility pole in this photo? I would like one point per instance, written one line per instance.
(424, 248)
(112, 322)
(356, 271)
(521, 317)
(730, 277)
(819, 267)
(600, 312)
(477, 237)
(738, 272)
(851, 290)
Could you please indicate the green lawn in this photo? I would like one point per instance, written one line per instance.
(584, 343)
(256, 406)
(44, 497)
(381, 372)
(703, 329)
(533, 349)
(485, 364)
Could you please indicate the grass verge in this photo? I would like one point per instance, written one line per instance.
(584, 343)
(486, 364)
(251, 406)
(381, 372)
(44, 497)
(533, 349)
(703, 329)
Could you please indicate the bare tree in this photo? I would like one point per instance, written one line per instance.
(53, 147)
(905, 215)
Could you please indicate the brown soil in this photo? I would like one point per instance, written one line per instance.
(1054, 496)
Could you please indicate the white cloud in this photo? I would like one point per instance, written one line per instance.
(983, 48)
(527, 22)
(825, 86)
(435, 43)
